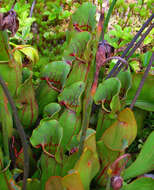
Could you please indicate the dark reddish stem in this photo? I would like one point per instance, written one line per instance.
(94, 86)
(135, 47)
(20, 131)
(32, 8)
(13, 5)
(131, 45)
(116, 162)
(142, 81)
(116, 57)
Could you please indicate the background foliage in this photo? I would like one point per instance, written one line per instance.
(79, 127)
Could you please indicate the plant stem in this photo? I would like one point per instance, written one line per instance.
(88, 100)
(13, 4)
(99, 124)
(131, 45)
(85, 123)
(15, 114)
(108, 183)
(108, 16)
(94, 86)
(87, 106)
(116, 57)
(142, 81)
(32, 8)
(20, 130)
(140, 41)
(135, 47)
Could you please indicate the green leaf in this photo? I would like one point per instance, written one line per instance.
(90, 140)
(143, 183)
(26, 103)
(56, 72)
(69, 163)
(26, 74)
(140, 116)
(74, 143)
(77, 45)
(85, 15)
(71, 124)
(49, 167)
(106, 91)
(87, 166)
(78, 73)
(144, 162)
(73, 181)
(135, 65)
(45, 95)
(118, 28)
(124, 129)
(65, 14)
(47, 132)
(51, 110)
(8, 65)
(107, 157)
(54, 183)
(146, 96)
(149, 38)
(126, 82)
(18, 58)
(6, 117)
(30, 52)
(13, 79)
(7, 181)
(115, 104)
(146, 58)
(104, 122)
(4, 55)
(31, 184)
(71, 95)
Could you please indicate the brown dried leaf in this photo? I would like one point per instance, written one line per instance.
(9, 21)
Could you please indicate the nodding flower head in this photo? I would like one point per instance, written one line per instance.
(116, 182)
(9, 21)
